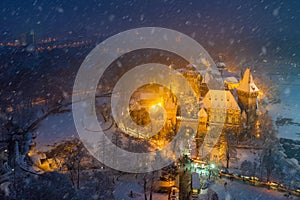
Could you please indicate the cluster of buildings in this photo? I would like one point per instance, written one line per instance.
(29, 41)
(234, 105)
(26, 39)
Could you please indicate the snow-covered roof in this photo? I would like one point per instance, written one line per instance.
(209, 70)
(190, 68)
(207, 77)
(231, 79)
(247, 83)
(221, 65)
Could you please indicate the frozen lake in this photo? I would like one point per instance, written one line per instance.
(288, 108)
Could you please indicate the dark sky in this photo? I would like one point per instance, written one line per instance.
(213, 19)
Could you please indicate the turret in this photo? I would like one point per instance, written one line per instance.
(247, 97)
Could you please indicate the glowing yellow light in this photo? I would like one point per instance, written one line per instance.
(153, 106)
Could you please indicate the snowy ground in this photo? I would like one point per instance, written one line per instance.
(55, 129)
(58, 127)
(127, 183)
(239, 191)
(61, 127)
(246, 154)
(235, 190)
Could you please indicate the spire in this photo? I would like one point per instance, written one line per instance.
(247, 83)
(202, 113)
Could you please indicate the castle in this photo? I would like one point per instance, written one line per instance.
(234, 107)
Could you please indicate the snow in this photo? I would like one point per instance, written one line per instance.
(130, 182)
(123, 188)
(247, 83)
(231, 79)
(235, 190)
(294, 161)
(241, 191)
(247, 154)
(55, 129)
(288, 108)
(195, 181)
(5, 188)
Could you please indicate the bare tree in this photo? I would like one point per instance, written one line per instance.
(227, 150)
(70, 153)
(148, 184)
(269, 163)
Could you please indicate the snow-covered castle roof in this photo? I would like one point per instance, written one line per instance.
(247, 83)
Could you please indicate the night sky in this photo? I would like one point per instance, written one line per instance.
(213, 19)
(257, 30)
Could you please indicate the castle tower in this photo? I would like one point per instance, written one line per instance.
(247, 97)
(221, 65)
